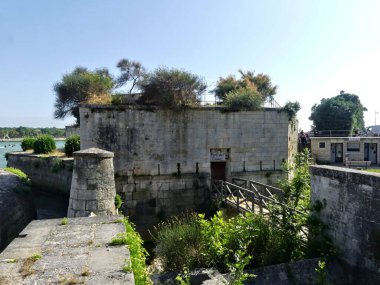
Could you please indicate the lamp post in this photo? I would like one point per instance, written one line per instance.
(375, 116)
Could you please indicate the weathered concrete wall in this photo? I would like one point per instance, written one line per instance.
(75, 253)
(150, 199)
(352, 212)
(47, 173)
(151, 144)
(144, 140)
(93, 184)
(16, 210)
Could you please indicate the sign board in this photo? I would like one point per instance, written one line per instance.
(219, 154)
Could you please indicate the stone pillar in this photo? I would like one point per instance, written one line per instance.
(93, 184)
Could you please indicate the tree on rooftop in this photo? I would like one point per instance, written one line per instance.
(261, 83)
(342, 112)
(131, 72)
(171, 88)
(81, 86)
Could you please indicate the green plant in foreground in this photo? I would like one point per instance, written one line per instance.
(118, 201)
(322, 273)
(138, 253)
(184, 278)
(25, 187)
(35, 257)
(24, 178)
(64, 221)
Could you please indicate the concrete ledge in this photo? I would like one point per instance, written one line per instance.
(77, 252)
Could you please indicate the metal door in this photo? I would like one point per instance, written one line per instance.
(337, 152)
(370, 152)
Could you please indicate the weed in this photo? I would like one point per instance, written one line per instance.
(127, 268)
(26, 267)
(36, 257)
(183, 278)
(138, 253)
(85, 272)
(64, 221)
(24, 178)
(120, 239)
(321, 273)
(118, 201)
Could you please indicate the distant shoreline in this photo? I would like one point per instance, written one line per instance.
(20, 139)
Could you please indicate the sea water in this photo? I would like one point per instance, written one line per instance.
(11, 146)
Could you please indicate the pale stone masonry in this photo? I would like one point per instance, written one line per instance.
(165, 160)
(93, 184)
(351, 212)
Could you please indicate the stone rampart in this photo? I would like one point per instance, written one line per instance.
(49, 174)
(16, 209)
(351, 213)
(163, 159)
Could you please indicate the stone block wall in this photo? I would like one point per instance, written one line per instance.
(49, 174)
(93, 185)
(352, 214)
(150, 144)
(16, 209)
(148, 141)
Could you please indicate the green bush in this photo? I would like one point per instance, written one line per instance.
(179, 243)
(291, 231)
(138, 253)
(72, 144)
(44, 144)
(27, 143)
(243, 99)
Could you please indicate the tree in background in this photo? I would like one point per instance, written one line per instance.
(261, 83)
(81, 86)
(171, 88)
(131, 72)
(342, 112)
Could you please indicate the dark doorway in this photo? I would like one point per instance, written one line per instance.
(218, 170)
(337, 152)
(370, 152)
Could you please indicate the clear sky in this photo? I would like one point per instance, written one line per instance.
(311, 49)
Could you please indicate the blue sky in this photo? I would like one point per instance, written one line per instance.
(311, 49)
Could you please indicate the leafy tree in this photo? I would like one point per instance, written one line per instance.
(261, 83)
(131, 71)
(81, 86)
(342, 112)
(171, 88)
